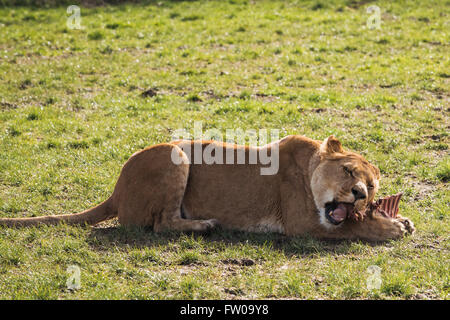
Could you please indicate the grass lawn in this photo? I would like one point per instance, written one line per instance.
(72, 112)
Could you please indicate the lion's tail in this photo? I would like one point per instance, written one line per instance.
(92, 216)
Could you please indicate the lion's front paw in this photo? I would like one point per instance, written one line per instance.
(407, 224)
(399, 228)
(396, 229)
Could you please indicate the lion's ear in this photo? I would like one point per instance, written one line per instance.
(331, 145)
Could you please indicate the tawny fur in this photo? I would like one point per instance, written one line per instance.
(154, 191)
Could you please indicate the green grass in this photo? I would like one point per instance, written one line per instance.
(72, 112)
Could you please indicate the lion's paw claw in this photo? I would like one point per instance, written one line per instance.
(407, 224)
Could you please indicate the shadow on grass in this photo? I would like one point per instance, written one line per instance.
(83, 3)
(140, 237)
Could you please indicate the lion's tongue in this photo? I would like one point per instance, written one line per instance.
(340, 213)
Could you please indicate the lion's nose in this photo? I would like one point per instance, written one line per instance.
(359, 194)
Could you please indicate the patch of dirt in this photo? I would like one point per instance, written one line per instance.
(7, 106)
(423, 190)
(187, 269)
(210, 94)
(427, 246)
(388, 85)
(318, 280)
(425, 295)
(151, 92)
(435, 137)
(429, 242)
(265, 97)
(25, 84)
(434, 43)
(355, 4)
(240, 262)
(234, 291)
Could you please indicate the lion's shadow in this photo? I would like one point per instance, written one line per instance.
(105, 238)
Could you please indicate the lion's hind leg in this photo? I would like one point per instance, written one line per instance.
(151, 188)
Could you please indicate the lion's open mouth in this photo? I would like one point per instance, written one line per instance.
(336, 212)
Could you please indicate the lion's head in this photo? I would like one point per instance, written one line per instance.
(343, 182)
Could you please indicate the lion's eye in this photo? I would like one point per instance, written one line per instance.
(370, 186)
(348, 171)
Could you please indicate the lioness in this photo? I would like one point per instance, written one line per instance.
(313, 191)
